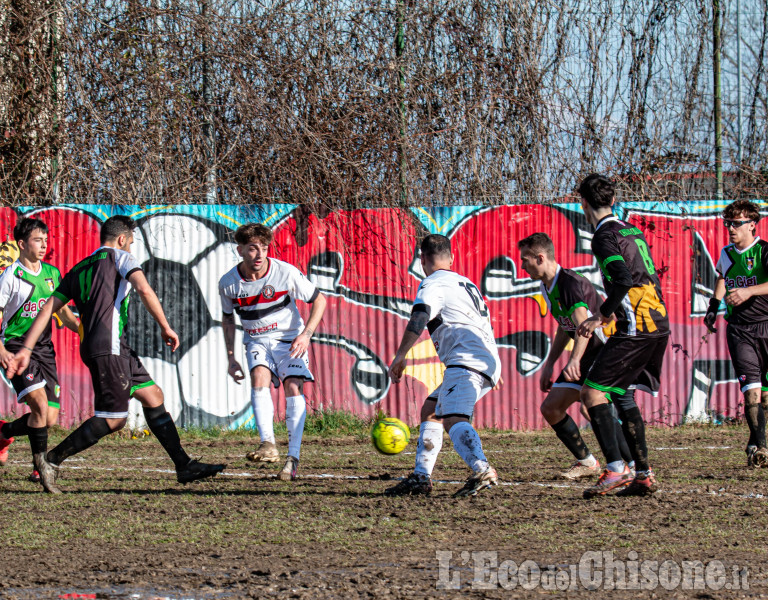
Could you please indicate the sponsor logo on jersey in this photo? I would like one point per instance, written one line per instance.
(750, 263)
(20, 273)
(29, 310)
(741, 281)
(260, 330)
(268, 292)
(49, 281)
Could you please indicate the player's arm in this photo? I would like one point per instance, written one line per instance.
(5, 356)
(621, 283)
(572, 369)
(68, 319)
(20, 360)
(416, 324)
(740, 295)
(300, 345)
(151, 302)
(235, 370)
(558, 345)
(714, 305)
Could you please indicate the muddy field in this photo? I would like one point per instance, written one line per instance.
(125, 529)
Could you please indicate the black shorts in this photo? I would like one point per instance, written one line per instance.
(590, 354)
(748, 347)
(115, 379)
(41, 372)
(627, 360)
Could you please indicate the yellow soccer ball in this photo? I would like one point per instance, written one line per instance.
(390, 435)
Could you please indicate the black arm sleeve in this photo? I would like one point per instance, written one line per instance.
(621, 282)
(419, 318)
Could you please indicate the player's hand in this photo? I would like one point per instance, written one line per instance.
(499, 384)
(738, 296)
(235, 371)
(18, 363)
(5, 358)
(588, 326)
(396, 369)
(545, 380)
(709, 322)
(300, 345)
(572, 371)
(171, 338)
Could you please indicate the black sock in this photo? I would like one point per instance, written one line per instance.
(604, 426)
(38, 439)
(568, 433)
(80, 439)
(164, 429)
(756, 422)
(633, 426)
(17, 427)
(623, 447)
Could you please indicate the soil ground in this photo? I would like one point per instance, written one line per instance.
(126, 529)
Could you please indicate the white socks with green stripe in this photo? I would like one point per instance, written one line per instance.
(295, 415)
(264, 413)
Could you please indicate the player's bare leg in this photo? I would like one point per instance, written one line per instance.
(264, 415)
(430, 442)
(554, 410)
(295, 415)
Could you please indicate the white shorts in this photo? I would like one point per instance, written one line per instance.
(275, 355)
(459, 392)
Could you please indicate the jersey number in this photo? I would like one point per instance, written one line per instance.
(86, 281)
(477, 298)
(646, 256)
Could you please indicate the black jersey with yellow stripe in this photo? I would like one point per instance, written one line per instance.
(642, 310)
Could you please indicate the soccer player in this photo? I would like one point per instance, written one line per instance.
(571, 299)
(99, 286)
(263, 292)
(635, 353)
(453, 310)
(25, 287)
(742, 278)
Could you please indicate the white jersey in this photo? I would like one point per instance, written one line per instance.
(267, 306)
(459, 323)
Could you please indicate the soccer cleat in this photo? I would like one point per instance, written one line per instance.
(609, 480)
(34, 477)
(761, 457)
(413, 485)
(4, 443)
(751, 459)
(579, 470)
(197, 470)
(47, 474)
(267, 452)
(644, 484)
(288, 472)
(477, 482)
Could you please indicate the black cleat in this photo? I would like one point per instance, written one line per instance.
(197, 470)
(413, 485)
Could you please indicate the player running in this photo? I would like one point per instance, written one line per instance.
(263, 292)
(635, 353)
(571, 299)
(25, 287)
(99, 286)
(742, 278)
(452, 309)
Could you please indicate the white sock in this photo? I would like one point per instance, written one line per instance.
(467, 444)
(430, 442)
(264, 413)
(295, 414)
(616, 466)
(590, 461)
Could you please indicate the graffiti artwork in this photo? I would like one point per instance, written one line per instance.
(366, 262)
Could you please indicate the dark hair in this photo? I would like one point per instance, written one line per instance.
(435, 245)
(26, 226)
(253, 231)
(538, 242)
(597, 190)
(116, 226)
(744, 207)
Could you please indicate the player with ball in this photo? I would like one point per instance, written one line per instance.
(453, 310)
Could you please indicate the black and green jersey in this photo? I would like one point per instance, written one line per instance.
(99, 286)
(569, 291)
(641, 310)
(741, 269)
(22, 294)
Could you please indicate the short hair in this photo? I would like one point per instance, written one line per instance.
(436, 245)
(744, 207)
(597, 190)
(26, 226)
(538, 242)
(116, 226)
(253, 231)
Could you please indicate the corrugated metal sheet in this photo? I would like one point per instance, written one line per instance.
(365, 261)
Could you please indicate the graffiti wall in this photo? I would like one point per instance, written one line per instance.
(366, 263)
